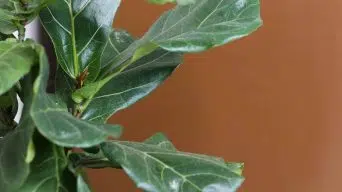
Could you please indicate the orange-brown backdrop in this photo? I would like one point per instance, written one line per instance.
(272, 100)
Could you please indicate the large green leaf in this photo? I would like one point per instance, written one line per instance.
(132, 84)
(205, 24)
(16, 60)
(128, 83)
(190, 28)
(78, 29)
(49, 170)
(155, 168)
(13, 154)
(54, 121)
(196, 27)
(15, 151)
(117, 42)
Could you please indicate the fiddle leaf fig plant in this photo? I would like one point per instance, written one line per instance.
(102, 70)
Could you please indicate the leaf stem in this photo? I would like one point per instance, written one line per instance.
(104, 81)
(21, 32)
(73, 40)
(139, 53)
(21, 24)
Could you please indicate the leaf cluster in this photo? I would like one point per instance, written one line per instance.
(102, 70)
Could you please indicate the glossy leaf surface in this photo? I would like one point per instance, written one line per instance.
(13, 152)
(55, 122)
(132, 84)
(49, 170)
(155, 168)
(205, 24)
(78, 29)
(16, 60)
(190, 28)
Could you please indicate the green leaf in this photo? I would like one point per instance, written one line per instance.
(55, 122)
(7, 26)
(196, 27)
(15, 151)
(205, 24)
(161, 1)
(131, 84)
(190, 28)
(16, 60)
(65, 85)
(236, 167)
(79, 30)
(15, 14)
(82, 185)
(49, 170)
(180, 2)
(155, 168)
(118, 41)
(161, 141)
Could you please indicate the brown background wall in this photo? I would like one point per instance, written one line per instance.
(272, 100)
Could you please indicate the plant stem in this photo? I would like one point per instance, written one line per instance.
(21, 24)
(73, 41)
(21, 32)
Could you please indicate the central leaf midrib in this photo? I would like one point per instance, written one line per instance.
(161, 162)
(73, 39)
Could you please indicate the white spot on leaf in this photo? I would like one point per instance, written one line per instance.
(240, 4)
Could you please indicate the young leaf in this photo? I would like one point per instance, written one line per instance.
(54, 121)
(155, 168)
(49, 170)
(205, 24)
(131, 84)
(16, 60)
(78, 29)
(15, 154)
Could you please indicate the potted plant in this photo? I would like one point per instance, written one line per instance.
(100, 71)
